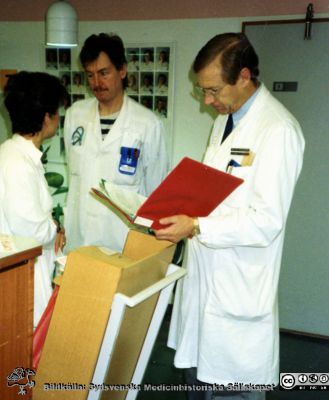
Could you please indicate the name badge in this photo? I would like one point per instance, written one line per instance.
(128, 160)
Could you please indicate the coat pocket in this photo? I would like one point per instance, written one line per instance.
(239, 196)
(242, 292)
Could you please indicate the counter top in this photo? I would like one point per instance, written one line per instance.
(24, 249)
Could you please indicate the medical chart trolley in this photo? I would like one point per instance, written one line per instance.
(120, 303)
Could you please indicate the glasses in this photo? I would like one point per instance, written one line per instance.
(214, 91)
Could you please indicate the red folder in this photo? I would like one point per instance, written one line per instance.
(192, 189)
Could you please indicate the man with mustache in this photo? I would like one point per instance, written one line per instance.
(111, 137)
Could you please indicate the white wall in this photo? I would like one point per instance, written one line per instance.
(305, 273)
(19, 49)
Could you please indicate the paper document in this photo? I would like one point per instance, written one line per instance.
(129, 201)
(191, 188)
(120, 200)
(7, 243)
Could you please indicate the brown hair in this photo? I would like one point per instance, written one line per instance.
(234, 51)
(111, 45)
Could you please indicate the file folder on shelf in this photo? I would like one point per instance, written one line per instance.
(191, 188)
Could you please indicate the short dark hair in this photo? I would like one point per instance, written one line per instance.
(235, 52)
(111, 45)
(29, 96)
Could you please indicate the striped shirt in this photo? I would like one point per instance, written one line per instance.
(107, 121)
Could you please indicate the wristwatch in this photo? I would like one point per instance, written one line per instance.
(196, 227)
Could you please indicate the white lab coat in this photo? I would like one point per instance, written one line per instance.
(225, 319)
(25, 210)
(87, 221)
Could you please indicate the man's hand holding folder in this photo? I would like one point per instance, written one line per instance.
(177, 228)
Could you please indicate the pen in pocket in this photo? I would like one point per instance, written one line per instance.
(231, 164)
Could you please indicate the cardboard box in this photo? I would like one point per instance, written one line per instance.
(83, 306)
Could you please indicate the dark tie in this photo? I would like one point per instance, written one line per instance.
(228, 127)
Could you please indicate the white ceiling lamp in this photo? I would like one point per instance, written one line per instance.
(61, 25)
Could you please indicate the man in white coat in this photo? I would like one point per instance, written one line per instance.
(225, 321)
(109, 137)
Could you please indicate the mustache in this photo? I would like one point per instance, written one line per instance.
(99, 89)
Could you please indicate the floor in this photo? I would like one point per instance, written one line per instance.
(297, 353)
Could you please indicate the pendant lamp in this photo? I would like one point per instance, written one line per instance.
(61, 25)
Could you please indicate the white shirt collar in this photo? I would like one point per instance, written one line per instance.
(28, 147)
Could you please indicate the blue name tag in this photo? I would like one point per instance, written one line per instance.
(128, 160)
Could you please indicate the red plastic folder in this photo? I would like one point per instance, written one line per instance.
(191, 188)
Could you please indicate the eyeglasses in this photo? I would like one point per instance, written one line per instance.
(214, 91)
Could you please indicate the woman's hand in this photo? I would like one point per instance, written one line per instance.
(60, 239)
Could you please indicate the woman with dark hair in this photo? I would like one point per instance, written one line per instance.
(32, 100)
